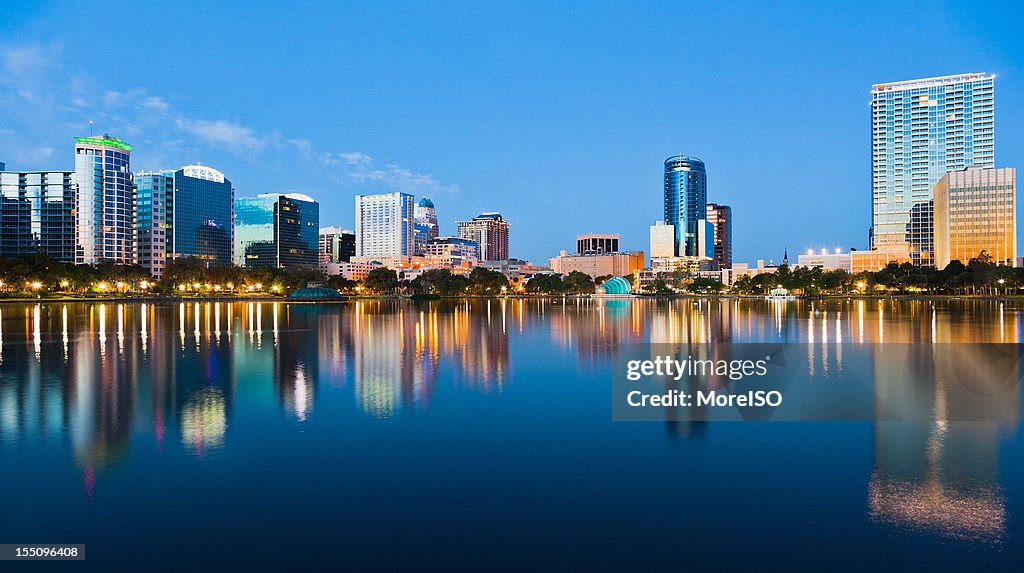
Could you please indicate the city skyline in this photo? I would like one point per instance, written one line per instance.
(818, 115)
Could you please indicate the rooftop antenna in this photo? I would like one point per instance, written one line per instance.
(90, 128)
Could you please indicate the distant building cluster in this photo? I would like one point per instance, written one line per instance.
(102, 211)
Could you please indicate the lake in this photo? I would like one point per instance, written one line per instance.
(478, 435)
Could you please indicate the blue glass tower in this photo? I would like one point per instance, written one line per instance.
(686, 202)
(277, 230)
(203, 223)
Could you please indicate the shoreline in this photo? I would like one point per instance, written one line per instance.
(354, 298)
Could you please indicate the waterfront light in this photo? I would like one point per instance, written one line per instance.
(120, 285)
(65, 283)
(35, 285)
(102, 286)
(275, 288)
(196, 286)
(1002, 281)
(861, 285)
(181, 287)
(143, 285)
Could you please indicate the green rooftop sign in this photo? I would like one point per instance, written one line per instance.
(108, 141)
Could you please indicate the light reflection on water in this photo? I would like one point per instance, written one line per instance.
(98, 373)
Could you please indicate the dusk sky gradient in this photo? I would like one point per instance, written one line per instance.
(558, 115)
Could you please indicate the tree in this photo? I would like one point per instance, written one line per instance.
(547, 283)
(486, 281)
(441, 282)
(381, 280)
(580, 283)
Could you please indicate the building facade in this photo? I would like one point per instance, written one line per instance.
(425, 227)
(450, 252)
(685, 202)
(922, 129)
(596, 265)
(37, 213)
(720, 217)
(663, 237)
(155, 192)
(277, 230)
(976, 214)
(337, 245)
(384, 225)
(202, 223)
(106, 209)
(597, 243)
(490, 231)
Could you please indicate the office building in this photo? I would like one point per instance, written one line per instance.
(37, 213)
(425, 227)
(976, 214)
(490, 231)
(184, 213)
(277, 230)
(384, 225)
(596, 265)
(922, 129)
(662, 240)
(597, 243)
(720, 217)
(106, 201)
(203, 215)
(337, 245)
(685, 203)
(155, 192)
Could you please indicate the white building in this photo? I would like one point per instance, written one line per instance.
(663, 238)
(384, 225)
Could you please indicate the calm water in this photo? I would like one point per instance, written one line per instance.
(474, 435)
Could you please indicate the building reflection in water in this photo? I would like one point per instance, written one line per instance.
(91, 374)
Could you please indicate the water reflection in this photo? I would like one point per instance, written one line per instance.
(92, 375)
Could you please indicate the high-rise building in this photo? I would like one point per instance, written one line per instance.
(597, 243)
(155, 191)
(663, 237)
(384, 225)
(37, 213)
(202, 223)
(720, 216)
(106, 201)
(685, 203)
(976, 213)
(490, 231)
(922, 129)
(425, 228)
(277, 230)
(184, 213)
(337, 245)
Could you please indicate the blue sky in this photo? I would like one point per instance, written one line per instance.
(558, 115)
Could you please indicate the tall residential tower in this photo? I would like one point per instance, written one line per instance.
(106, 201)
(686, 203)
(922, 129)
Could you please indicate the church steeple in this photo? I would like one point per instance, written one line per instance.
(785, 256)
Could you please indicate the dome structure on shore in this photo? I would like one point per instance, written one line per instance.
(315, 292)
(615, 286)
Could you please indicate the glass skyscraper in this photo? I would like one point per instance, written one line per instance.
(277, 230)
(37, 213)
(203, 217)
(106, 200)
(184, 213)
(686, 203)
(922, 129)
